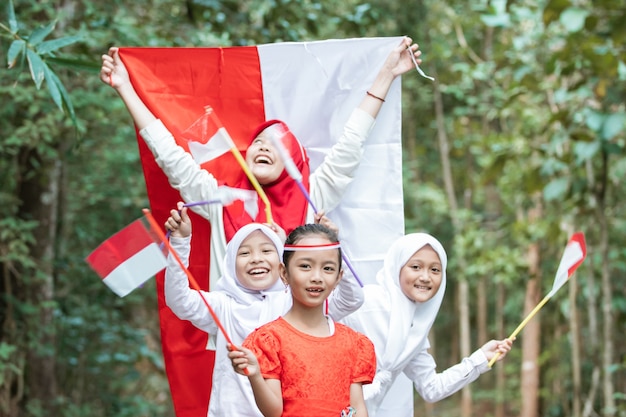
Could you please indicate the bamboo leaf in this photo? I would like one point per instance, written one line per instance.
(17, 47)
(11, 15)
(59, 94)
(40, 33)
(37, 67)
(75, 64)
(53, 45)
(53, 87)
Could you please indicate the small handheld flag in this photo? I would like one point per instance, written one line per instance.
(192, 281)
(208, 139)
(128, 258)
(574, 255)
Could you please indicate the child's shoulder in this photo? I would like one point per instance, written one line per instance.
(350, 332)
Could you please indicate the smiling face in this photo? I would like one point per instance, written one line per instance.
(420, 277)
(257, 262)
(312, 274)
(264, 160)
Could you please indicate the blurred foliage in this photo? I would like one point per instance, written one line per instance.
(533, 95)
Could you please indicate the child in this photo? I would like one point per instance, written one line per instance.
(397, 315)
(303, 364)
(289, 207)
(248, 295)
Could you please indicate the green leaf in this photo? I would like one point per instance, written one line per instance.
(40, 33)
(621, 70)
(496, 20)
(12, 19)
(585, 150)
(573, 18)
(37, 67)
(53, 45)
(59, 94)
(594, 120)
(75, 64)
(555, 189)
(613, 124)
(17, 47)
(53, 87)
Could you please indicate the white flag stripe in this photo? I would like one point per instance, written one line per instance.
(572, 255)
(338, 73)
(136, 270)
(217, 145)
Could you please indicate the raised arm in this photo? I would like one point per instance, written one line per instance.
(397, 63)
(113, 72)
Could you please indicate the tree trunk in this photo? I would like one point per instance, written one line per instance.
(463, 296)
(575, 340)
(39, 195)
(532, 331)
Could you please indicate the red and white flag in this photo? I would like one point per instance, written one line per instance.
(207, 138)
(574, 255)
(311, 86)
(128, 258)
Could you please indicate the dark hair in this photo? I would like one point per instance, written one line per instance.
(305, 230)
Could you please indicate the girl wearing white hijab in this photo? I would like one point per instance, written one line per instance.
(397, 315)
(248, 295)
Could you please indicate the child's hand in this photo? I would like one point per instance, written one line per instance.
(279, 230)
(320, 218)
(399, 60)
(179, 222)
(243, 360)
(497, 346)
(113, 71)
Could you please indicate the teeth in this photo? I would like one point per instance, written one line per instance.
(263, 160)
(258, 271)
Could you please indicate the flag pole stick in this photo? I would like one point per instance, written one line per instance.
(522, 324)
(255, 183)
(192, 280)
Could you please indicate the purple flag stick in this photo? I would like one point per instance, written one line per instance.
(196, 203)
(294, 173)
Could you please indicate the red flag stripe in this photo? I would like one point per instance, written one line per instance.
(176, 84)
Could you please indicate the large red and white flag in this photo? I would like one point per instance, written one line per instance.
(311, 86)
(128, 258)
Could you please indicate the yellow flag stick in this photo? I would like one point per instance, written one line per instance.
(522, 324)
(255, 183)
(242, 163)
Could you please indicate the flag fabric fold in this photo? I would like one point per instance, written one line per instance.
(207, 138)
(128, 258)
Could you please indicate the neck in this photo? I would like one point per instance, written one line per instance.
(309, 320)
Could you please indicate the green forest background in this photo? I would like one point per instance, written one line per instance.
(518, 143)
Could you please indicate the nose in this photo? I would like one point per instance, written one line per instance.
(316, 276)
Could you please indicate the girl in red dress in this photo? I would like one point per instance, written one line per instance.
(304, 364)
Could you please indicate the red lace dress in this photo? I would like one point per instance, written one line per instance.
(315, 372)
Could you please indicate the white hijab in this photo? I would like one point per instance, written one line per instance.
(396, 325)
(251, 308)
(409, 321)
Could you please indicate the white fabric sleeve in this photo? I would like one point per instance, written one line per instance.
(346, 298)
(329, 181)
(433, 386)
(185, 302)
(183, 173)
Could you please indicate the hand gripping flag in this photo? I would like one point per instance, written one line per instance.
(311, 86)
(574, 255)
(128, 258)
